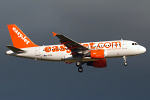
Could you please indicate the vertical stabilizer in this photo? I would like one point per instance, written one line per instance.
(19, 39)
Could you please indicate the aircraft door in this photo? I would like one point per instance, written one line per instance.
(37, 51)
(124, 45)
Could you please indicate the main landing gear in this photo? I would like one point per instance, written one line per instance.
(125, 60)
(79, 64)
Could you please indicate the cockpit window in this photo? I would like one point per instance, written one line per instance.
(134, 43)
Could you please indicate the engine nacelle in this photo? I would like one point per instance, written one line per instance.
(98, 63)
(97, 54)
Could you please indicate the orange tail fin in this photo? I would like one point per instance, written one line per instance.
(19, 39)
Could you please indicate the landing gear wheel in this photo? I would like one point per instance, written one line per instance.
(80, 69)
(125, 63)
(78, 64)
(125, 60)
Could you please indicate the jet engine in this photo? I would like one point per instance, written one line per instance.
(96, 54)
(98, 63)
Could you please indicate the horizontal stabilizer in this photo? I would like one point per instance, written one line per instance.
(16, 50)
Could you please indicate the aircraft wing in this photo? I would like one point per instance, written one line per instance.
(71, 44)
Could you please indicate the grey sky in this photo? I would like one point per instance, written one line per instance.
(83, 21)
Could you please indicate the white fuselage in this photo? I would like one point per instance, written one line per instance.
(117, 48)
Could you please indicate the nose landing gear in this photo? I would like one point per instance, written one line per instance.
(125, 60)
(80, 69)
(79, 64)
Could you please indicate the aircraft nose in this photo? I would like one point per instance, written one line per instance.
(143, 49)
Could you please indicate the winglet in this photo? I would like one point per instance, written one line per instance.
(54, 34)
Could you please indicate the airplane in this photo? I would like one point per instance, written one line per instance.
(69, 51)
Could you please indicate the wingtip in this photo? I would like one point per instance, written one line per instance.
(54, 34)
